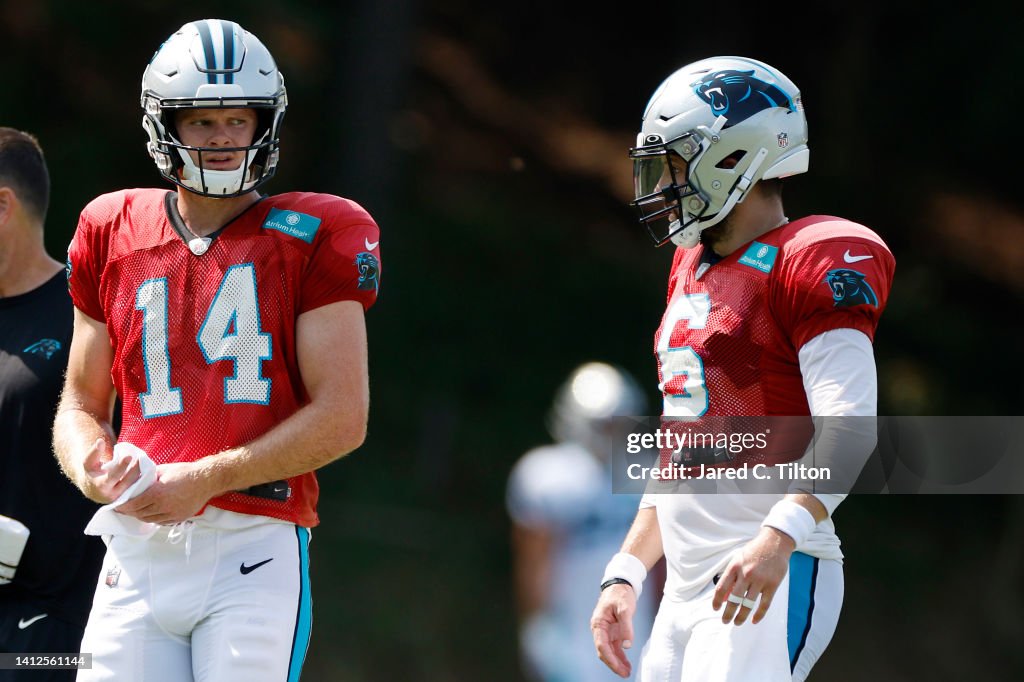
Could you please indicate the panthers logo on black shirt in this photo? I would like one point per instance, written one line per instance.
(44, 347)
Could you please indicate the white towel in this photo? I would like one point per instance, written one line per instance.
(13, 536)
(106, 521)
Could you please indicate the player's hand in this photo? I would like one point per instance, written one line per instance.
(105, 481)
(179, 492)
(612, 627)
(754, 574)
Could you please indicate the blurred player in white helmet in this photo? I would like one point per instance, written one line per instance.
(231, 325)
(566, 521)
(765, 316)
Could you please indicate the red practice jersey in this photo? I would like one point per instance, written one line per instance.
(728, 343)
(204, 345)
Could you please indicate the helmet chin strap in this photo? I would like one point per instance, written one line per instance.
(689, 236)
(686, 237)
(211, 181)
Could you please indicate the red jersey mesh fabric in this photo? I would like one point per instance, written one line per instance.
(736, 327)
(204, 346)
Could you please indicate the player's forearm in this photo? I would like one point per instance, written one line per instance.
(641, 549)
(841, 382)
(75, 430)
(86, 409)
(811, 504)
(644, 538)
(793, 519)
(308, 440)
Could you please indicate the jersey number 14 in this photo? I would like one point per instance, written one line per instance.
(230, 331)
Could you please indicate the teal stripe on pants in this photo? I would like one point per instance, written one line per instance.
(304, 619)
(803, 573)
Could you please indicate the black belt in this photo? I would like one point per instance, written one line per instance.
(691, 457)
(275, 490)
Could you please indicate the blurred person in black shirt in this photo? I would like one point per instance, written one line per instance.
(46, 588)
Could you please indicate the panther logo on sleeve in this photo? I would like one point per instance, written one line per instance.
(737, 95)
(368, 268)
(849, 288)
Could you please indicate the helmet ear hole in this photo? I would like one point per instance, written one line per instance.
(732, 160)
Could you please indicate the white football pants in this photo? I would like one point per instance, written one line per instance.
(225, 599)
(689, 642)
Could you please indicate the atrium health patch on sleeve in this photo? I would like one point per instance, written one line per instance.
(300, 225)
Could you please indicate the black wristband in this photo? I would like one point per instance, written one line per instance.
(615, 581)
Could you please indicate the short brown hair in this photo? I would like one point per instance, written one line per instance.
(23, 169)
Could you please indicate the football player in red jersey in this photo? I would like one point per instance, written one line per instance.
(765, 316)
(231, 325)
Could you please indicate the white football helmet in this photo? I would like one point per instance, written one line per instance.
(734, 121)
(586, 402)
(213, 63)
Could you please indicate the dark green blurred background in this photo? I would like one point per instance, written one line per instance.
(490, 142)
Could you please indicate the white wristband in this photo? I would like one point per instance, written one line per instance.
(792, 519)
(626, 566)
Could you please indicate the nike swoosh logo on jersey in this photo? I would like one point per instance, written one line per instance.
(246, 570)
(22, 623)
(854, 259)
(370, 246)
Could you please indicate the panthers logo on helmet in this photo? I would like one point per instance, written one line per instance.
(737, 95)
(850, 287)
(367, 265)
